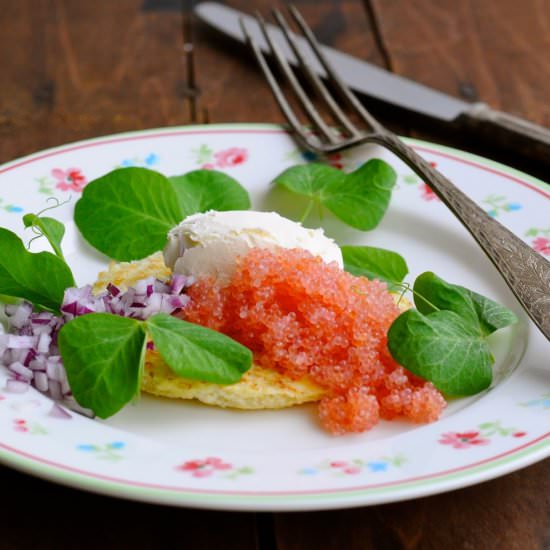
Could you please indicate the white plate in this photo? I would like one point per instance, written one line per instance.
(193, 455)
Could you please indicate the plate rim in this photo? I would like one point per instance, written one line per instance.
(490, 468)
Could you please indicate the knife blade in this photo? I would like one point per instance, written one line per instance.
(509, 131)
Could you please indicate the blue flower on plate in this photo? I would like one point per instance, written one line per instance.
(151, 159)
(377, 466)
(87, 448)
(13, 208)
(512, 206)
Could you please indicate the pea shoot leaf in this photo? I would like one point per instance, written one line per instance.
(492, 315)
(40, 278)
(103, 356)
(196, 352)
(443, 348)
(375, 263)
(309, 179)
(203, 190)
(127, 213)
(433, 293)
(360, 198)
(50, 228)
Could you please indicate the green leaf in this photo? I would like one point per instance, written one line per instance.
(375, 263)
(50, 228)
(480, 312)
(361, 198)
(442, 348)
(309, 179)
(103, 355)
(492, 315)
(5, 299)
(196, 352)
(203, 190)
(431, 293)
(40, 278)
(127, 213)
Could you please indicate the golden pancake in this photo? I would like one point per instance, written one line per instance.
(259, 388)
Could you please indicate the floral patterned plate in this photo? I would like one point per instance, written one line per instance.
(192, 455)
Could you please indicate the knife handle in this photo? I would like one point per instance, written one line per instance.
(508, 131)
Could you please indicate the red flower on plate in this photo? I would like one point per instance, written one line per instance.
(20, 425)
(463, 440)
(71, 179)
(427, 193)
(231, 157)
(542, 245)
(204, 467)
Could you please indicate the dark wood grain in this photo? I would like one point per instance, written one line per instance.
(491, 51)
(73, 69)
(76, 69)
(510, 513)
(40, 515)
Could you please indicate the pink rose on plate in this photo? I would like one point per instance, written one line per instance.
(204, 467)
(231, 157)
(71, 179)
(427, 193)
(542, 245)
(463, 440)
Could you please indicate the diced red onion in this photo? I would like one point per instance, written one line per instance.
(22, 371)
(21, 315)
(55, 390)
(31, 354)
(44, 342)
(30, 349)
(41, 381)
(20, 342)
(113, 290)
(38, 364)
(59, 412)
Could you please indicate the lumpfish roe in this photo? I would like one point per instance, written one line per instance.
(301, 317)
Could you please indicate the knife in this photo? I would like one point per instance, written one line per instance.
(504, 129)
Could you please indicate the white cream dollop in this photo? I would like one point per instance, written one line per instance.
(208, 244)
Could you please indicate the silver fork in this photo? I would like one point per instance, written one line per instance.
(525, 271)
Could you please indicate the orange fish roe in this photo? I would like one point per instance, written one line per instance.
(301, 317)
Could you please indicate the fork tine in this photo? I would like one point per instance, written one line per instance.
(312, 77)
(312, 113)
(272, 81)
(345, 92)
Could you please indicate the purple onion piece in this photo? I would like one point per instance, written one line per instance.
(59, 412)
(30, 350)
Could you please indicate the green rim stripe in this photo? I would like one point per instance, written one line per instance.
(93, 481)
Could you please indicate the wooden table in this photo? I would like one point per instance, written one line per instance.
(73, 69)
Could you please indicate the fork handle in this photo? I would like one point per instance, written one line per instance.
(525, 271)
